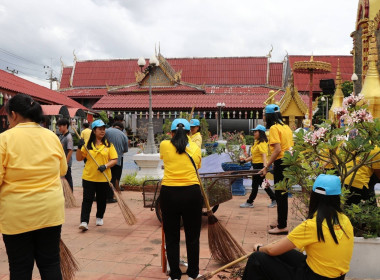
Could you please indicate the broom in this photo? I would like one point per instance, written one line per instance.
(222, 245)
(70, 200)
(127, 213)
(69, 265)
(211, 274)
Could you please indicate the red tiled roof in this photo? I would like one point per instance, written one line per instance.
(84, 92)
(181, 101)
(177, 88)
(19, 85)
(66, 75)
(302, 81)
(209, 71)
(275, 74)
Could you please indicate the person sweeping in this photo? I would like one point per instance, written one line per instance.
(259, 152)
(181, 197)
(31, 197)
(195, 129)
(94, 182)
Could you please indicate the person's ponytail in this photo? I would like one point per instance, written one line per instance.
(180, 140)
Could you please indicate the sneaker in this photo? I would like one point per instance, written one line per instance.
(111, 200)
(273, 204)
(171, 279)
(193, 278)
(83, 226)
(246, 205)
(99, 221)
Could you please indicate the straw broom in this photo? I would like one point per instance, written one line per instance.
(222, 245)
(69, 265)
(211, 274)
(127, 213)
(70, 200)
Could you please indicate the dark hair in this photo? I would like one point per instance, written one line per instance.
(86, 125)
(273, 118)
(25, 106)
(180, 140)
(327, 208)
(63, 122)
(92, 140)
(262, 137)
(119, 117)
(119, 124)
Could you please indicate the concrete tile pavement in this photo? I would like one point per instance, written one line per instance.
(119, 251)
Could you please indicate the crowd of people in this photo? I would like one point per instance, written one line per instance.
(31, 173)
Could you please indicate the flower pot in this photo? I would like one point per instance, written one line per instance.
(211, 148)
(237, 185)
(365, 258)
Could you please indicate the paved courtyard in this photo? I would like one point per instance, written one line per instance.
(119, 251)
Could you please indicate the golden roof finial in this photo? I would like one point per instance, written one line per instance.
(312, 57)
(338, 95)
(338, 80)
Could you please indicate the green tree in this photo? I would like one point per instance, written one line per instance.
(103, 116)
(347, 88)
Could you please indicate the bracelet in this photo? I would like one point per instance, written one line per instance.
(258, 248)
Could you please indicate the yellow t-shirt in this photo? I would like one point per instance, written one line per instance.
(257, 151)
(102, 155)
(364, 173)
(197, 139)
(283, 135)
(85, 134)
(327, 258)
(179, 171)
(32, 162)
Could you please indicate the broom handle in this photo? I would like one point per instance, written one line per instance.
(191, 114)
(201, 184)
(230, 264)
(88, 152)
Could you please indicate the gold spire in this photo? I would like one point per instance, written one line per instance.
(338, 95)
(371, 86)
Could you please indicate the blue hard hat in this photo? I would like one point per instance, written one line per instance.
(176, 122)
(329, 183)
(272, 108)
(97, 123)
(259, 127)
(194, 122)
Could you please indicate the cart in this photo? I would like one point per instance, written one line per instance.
(217, 186)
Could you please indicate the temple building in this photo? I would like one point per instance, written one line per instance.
(243, 84)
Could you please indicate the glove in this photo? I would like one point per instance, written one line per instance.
(102, 168)
(80, 143)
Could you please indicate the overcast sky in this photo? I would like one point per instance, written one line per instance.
(39, 32)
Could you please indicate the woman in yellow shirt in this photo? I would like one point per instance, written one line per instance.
(94, 182)
(31, 197)
(259, 152)
(196, 136)
(280, 141)
(327, 237)
(181, 197)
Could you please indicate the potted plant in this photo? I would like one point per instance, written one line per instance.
(236, 149)
(211, 144)
(350, 139)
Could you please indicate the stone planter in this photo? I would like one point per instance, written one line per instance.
(365, 259)
(237, 186)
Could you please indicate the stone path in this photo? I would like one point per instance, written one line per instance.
(119, 251)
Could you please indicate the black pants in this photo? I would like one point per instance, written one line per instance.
(116, 175)
(69, 178)
(89, 191)
(288, 266)
(356, 195)
(41, 245)
(281, 196)
(257, 180)
(185, 202)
